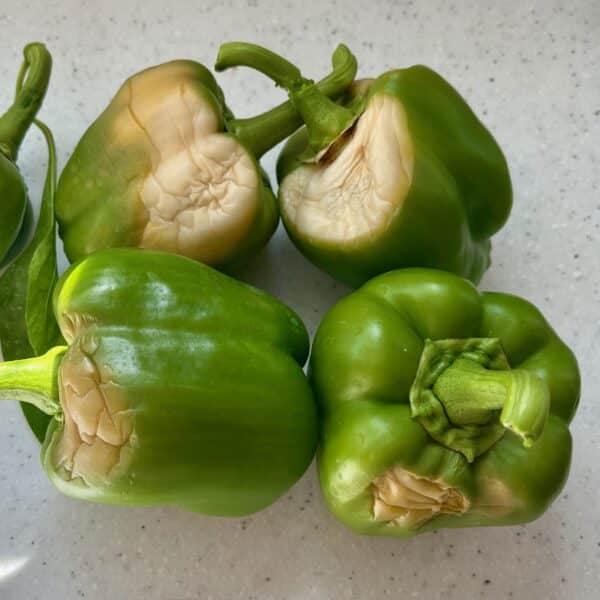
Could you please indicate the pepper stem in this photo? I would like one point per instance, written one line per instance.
(471, 394)
(34, 380)
(309, 102)
(465, 395)
(32, 83)
(277, 68)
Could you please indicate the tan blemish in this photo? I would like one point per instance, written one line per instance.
(403, 498)
(98, 424)
(358, 192)
(72, 324)
(496, 499)
(201, 195)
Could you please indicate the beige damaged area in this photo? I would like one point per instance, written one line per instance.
(360, 190)
(74, 323)
(405, 499)
(202, 193)
(496, 500)
(98, 427)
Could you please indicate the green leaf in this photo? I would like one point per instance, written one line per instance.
(13, 296)
(42, 329)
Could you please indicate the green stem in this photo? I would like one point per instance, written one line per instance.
(465, 395)
(262, 132)
(243, 54)
(324, 119)
(32, 83)
(33, 380)
(472, 395)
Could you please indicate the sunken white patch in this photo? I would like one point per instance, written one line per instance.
(98, 425)
(405, 499)
(362, 189)
(202, 193)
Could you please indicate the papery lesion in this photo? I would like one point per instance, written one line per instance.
(98, 423)
(409, 500)
(201, 194)
(74, 323)
(359, 185)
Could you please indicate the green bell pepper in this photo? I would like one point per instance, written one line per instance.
(442, 406)
(166, 166)
(179, 386)
(400, 174)
(32, 84)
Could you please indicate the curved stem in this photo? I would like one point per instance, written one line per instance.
(32, 83)
(243, 54)
(33, 380)
(262, 132)
(51, 171)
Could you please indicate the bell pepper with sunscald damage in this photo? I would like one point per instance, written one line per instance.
(442, 407)
(32, 84)
(400, 174)
(166, 166)
(179, 386)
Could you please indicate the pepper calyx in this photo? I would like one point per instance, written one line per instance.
(327, 122)
(465, 395)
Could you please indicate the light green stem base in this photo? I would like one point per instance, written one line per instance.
(34, 381)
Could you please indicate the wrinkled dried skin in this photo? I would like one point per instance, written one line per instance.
(405, 499)
(362, 189)
(201, 196)
(98, 426)
(73, 323)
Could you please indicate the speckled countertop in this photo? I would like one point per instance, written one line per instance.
(531, 70)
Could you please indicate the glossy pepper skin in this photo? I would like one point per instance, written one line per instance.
(442, 406)
(179, 386)
(166, 166)
(32, 85)
(401, 174)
